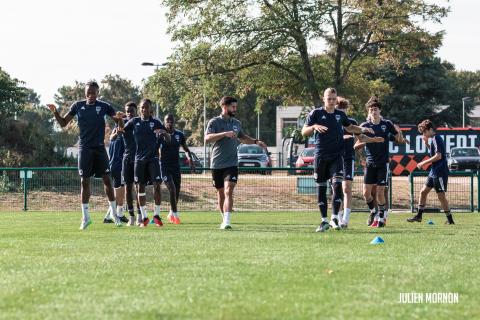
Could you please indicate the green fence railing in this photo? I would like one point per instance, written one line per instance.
(266, 189)
(461, 191)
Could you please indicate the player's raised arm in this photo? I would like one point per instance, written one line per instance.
(62, 121)
(399, 136)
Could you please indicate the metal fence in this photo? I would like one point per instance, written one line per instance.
(272, 189)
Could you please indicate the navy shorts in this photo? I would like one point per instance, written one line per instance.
(117, 179)
(171, 174)
(93, 162)
(376, 174)
(128, 170)
(326, 169)
(348, 169)
(147, 170)
(438, 183)
(219, 176)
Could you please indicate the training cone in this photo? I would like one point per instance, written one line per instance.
(152, 222)
(430, 222)
(377, 240)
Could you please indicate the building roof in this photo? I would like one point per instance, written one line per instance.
(475, 112)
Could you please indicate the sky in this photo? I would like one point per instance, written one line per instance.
(51, 43)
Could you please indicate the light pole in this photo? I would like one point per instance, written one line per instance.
(156, 65)
(464, 100)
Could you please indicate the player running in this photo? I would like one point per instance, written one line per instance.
(170, 166)
(145, 130)
(224, 132)
(92, 157)
(349, 163)
(327, 124)
(438, 174)
(377, 156)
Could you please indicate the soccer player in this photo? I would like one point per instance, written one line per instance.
(327, 124)
(170, 166)
(438, 174)
(147, 166)
(349, 163)
(377, 155)
(93, 158)
(115, 153)
(224, 131)
(128, 164)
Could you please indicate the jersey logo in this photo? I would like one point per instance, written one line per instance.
(383, 181)
(98, 108)
(338, 117)
(323, 117)
(137, 124)
(82, 108)
(235, 128)
(151, 125)
(384, 128)
(177, 137)
(234, 178)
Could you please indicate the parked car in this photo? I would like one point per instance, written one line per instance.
(253, 156)
(464, 159)
(305, 159)
(185, 162)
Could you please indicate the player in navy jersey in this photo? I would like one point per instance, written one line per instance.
(170, 164)
(438, 175)
(145, 130)
(327, 123)
(377, 158)
(349, 162)
(115, 154)
(93, 158)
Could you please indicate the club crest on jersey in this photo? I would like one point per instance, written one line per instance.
(151, 125)
(98, 108)
(235, 128)
(323, 117)
(338, 117)
(177, 137)
(384, 128)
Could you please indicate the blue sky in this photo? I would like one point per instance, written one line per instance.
(51, 43)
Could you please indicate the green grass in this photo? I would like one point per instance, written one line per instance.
(272, 265)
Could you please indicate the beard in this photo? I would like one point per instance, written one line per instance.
(231, 114)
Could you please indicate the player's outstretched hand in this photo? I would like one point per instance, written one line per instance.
(52, 107)
(420, 165)
(160, 131)
(320, 128)
(230, 134)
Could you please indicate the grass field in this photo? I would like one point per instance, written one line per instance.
(270, 266)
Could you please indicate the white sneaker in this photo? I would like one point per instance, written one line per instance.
(131, 221)
(334, 224)
(225, 226)
(343, 224)
(117, 220)
(85, 223)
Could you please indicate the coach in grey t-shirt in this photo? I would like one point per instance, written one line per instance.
(224, 132)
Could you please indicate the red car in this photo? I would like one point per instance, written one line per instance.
(305, 159)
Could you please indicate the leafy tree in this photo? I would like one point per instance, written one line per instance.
(13, 96)
(248, 34)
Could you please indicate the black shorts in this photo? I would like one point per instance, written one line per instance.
(147, 170)
(376, 174)
(117, 179)
(438, 183)
(93, 162)
(348, 169)
(326, 169)
(171, 174)
(219, 176)
(128, 170)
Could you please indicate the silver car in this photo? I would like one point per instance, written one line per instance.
(253, 156)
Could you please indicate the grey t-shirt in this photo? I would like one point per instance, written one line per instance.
(224, 151)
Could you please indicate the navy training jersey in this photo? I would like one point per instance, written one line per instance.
(349, 152)
(169, 152)
(129, 142)
(377, 153)
(91, 121)
(439, 168)
(329, 144)
(145, 137)
(115, 153)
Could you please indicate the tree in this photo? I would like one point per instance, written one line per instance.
(13, 96)
(118, 91)
(268, 32)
